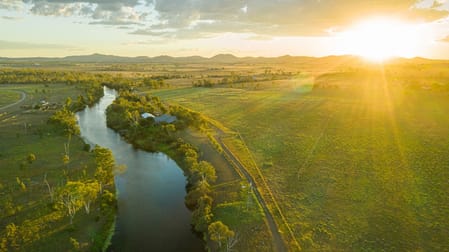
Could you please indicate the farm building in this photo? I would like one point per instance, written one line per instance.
(165, 118)
(147, 115)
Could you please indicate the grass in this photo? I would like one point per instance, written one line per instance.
(8, 97)
(359, 166)
(354, 155)
(240, 210)
(25, 131)
(241, 214)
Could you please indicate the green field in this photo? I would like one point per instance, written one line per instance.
(28, 219)
(347, 156)
(233, 204)
(8, 97)
(358, 163)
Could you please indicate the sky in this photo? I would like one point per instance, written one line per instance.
(405, 28)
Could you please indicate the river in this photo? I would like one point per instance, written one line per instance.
(151, 212)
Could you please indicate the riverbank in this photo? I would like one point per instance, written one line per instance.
(150, 188)
(34, 173)
(229, 199)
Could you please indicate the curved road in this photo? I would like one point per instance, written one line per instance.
(22, 98)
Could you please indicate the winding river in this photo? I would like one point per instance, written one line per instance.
(151, 212)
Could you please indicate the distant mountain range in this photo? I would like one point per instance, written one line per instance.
(220, 58)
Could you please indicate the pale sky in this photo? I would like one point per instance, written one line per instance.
(207, 27)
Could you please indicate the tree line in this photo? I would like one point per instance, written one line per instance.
(124, 116)
(66, 194)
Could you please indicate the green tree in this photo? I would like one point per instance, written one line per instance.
(31, 158)
(68, 102)
(219, 232)
(205, 171)
(75, 244)
(70, 197)
(193, 196)
(10, 241)
(66, 160)
(67, 120)
(202, 215)
(21, 184)
(105, 165)
(89, 192)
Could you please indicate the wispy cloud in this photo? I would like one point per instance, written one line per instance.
(12, 18)
(446, 39)
(110, 12)
(11, 4)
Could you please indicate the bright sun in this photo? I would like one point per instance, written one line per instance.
(380, 39)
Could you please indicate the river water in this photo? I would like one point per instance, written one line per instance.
(151, 212)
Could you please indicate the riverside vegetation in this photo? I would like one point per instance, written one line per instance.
(347, 155)
(56, 194)
(124, 116)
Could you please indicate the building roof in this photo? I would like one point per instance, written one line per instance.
(165, 118)
(146, 115)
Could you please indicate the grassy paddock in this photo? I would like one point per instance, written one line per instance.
(359, 166)
(236, 209)
(24, 131)
(8, 97)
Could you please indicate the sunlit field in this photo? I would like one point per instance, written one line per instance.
(29, 219)
(355, 159)
(251, 126)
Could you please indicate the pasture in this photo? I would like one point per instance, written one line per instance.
(358, 161)
(24, 198)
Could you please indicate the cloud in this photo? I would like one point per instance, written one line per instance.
(259, 37)
(103, 12)
(11, 18)
(17, 45)
(195, 19)
(278, 18)
(10, 4)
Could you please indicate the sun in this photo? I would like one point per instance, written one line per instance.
(379, 39)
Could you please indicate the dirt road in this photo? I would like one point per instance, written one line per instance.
(278, 243)
(22, 98)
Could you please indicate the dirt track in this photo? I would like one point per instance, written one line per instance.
(23, 94)
(278, 243)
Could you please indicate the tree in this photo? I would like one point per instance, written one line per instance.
(231, 241)
(219, 232)
(105, 164)
(89, 192)
(193, 196)
(68, 102)
(205, 171)
(202, 215)
(66, 119)
(31, 158)
(21, 184)
(169, 128)
(66, 160)
(10, 241)
(70, 198)
(67, 146)
(51, 190)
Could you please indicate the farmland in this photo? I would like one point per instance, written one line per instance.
(355, 161)
(346, 155)
(31, 157)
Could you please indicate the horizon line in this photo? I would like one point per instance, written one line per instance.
(211, 57)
